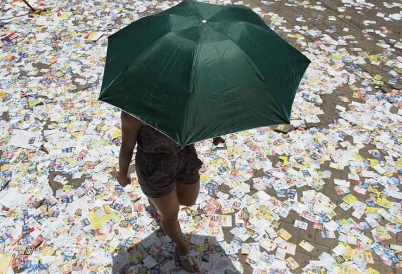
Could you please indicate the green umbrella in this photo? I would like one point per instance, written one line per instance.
(198, 70)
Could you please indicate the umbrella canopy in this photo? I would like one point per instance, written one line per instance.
(198, 70)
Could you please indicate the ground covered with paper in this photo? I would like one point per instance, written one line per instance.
(320, 196)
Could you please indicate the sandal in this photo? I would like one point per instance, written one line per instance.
(191, 261)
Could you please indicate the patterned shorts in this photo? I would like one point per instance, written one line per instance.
(158, 173)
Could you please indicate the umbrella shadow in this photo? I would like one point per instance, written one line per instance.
(156, 254)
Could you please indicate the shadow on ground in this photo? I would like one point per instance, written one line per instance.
(156, 254)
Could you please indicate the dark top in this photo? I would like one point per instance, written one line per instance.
(151, 140)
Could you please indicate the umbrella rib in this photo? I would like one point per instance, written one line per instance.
(255, 67)
(114, 80)
(191, 78)
(195, 6)
(136, 57)
(266, 30)
(140, 19)
(269, 31)
(188, 18)
(141, 53)
(228, 7)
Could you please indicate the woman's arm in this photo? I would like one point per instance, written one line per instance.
(130, 127)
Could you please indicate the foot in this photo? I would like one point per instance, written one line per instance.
(187, 260)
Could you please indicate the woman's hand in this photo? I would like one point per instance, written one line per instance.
(218, 140)
(123, 179)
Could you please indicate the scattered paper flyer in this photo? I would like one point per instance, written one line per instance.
(25, 139)
(333, 173)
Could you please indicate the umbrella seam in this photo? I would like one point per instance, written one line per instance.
(163, 36)
(230, 7)
(191, 79)
(263, 29)
(140, 19)
(188, 18)
(140, 54)
(115, 34)
(248, 58)
(273, 32)
(114, 80)
(289, 45)
(199, 12)
(219, 11)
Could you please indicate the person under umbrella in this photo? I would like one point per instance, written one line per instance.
(167, 173)
(190, 73)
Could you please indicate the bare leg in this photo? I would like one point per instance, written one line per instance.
(152, 204)
(187, 194)
(169, 208)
